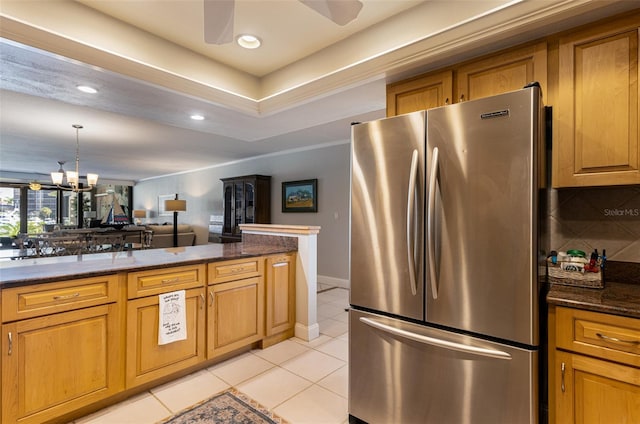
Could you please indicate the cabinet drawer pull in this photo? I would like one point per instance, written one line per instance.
(66, 296)
(280, 264)
(170, 280)
(562, 381)
(616, 340)
(10, 343)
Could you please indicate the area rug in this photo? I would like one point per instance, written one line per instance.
(230, 407)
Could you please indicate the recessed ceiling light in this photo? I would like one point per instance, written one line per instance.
(197, 117)
(249, 41)
(87, 89)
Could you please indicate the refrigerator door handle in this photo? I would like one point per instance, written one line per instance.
(431, 244)
(411, 239)
(475, 350)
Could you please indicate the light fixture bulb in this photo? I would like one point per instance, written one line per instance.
(92, 179)
(249, 41)
(197, 117)
(72, 177)
(56, 177)
(35, 186)
(86, 89)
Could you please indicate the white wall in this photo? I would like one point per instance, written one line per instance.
(203, 192)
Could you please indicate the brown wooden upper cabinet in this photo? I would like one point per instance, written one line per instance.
(424, 92)
(503, 72)
(592, 86)
(596, 118)
(498, 73)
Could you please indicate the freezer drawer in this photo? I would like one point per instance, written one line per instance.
(401, 372)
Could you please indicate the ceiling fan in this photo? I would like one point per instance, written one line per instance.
(218, 16)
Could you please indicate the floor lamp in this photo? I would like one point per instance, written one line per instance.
(175, 206)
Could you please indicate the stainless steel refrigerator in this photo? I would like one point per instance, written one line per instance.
(444, 250)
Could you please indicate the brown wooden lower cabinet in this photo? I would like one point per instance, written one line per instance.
(146, 359)
(54, 364)
(280, 273)
(73, 345)
(595, 360)
(595, 391)
(235, 315)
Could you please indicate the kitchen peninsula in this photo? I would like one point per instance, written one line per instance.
(82, 332)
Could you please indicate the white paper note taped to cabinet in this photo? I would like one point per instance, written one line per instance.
(173, 317)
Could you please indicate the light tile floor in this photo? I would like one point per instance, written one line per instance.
(302, 382)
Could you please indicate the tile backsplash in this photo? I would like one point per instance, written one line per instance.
(597, 218)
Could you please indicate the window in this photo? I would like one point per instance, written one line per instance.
(9, 211)
(42, 210)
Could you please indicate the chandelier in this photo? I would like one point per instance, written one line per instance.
(73, 176)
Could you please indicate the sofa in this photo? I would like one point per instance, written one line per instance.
(162, 235)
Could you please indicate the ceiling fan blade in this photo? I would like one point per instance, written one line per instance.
(339, 11)
(218, 21)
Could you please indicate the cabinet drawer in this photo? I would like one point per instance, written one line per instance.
(157, 281)
(48, 298)
(606, 336)
(220, 272)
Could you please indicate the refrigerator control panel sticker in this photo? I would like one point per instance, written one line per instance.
(497, 114)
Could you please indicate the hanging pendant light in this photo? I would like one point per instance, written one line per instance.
(73, 177)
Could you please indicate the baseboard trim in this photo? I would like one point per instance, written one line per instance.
(307, 333)
(332, 281)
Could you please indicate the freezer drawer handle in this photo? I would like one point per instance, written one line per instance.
(431, 244)
(411, 239)
(491, 353)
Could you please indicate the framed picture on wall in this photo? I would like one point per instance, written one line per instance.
(161, 199)
(300, 196)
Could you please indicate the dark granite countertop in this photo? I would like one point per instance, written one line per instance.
(620, 295)
(41, 270)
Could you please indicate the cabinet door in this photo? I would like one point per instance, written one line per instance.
(238, 206)
(421, 93)
(235, 316)
(597, 141)
(227, 194)
(280, 286)
(504, 72)
(593, 391)
(146, 359)
(249, 202)
(55, 364)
